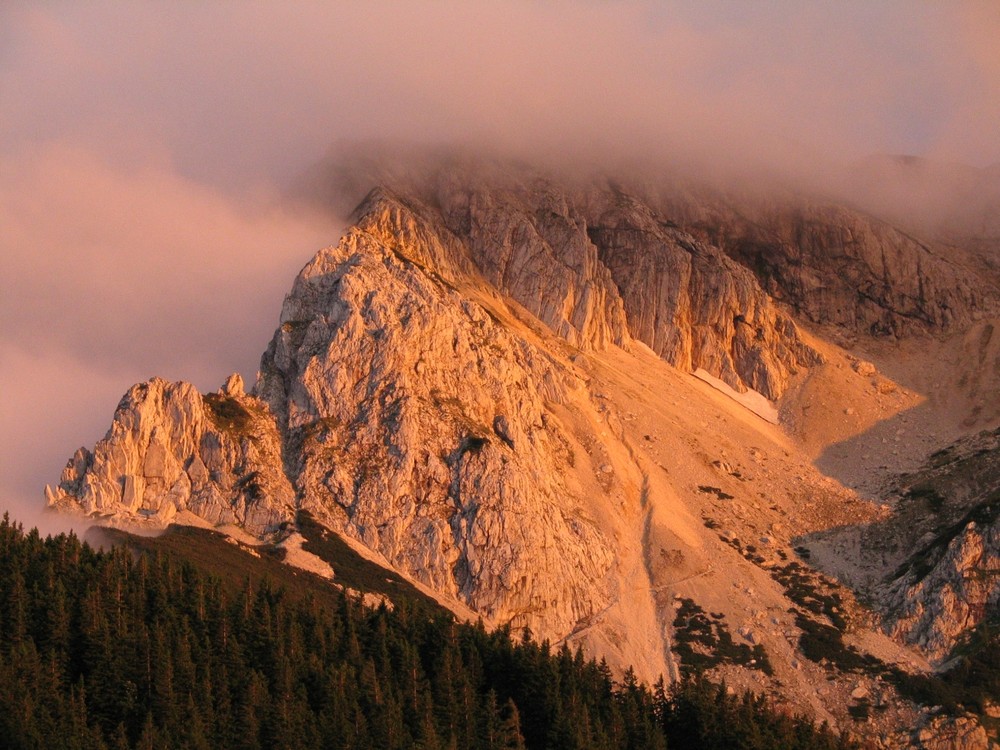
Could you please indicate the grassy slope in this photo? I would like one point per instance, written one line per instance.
(234, 563)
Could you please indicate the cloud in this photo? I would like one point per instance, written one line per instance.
(48, 408)
(113, 275)
(140, 266)
(146, 146)
(240, 91)
(969, 130)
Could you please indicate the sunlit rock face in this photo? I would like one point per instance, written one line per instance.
(693, 305)
(949, 582)
(171, 450)
(961, 591)
(419, 426)
(418, 419)
(532, 245)
(601, 266)
(684, 299)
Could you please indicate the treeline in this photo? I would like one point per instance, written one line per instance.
(107, 649)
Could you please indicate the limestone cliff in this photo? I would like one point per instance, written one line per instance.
(931, 563)
(691, 304)
(835, 265)
(936, 608)
(533, 246)
(949, 520)
(171, 450)
(419, 425)
(600, 266)
(825, 260)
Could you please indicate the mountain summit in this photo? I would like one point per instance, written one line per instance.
(648, 420)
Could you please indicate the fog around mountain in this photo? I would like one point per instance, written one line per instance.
(148, 150)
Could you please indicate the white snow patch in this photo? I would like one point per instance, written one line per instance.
(752, 400)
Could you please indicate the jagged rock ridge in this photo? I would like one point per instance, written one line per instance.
(600, 267)
(694, 306)
(827, 261)
(171, 450)
(834, 265)
(420, 427)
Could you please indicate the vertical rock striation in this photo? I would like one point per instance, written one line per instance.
(693, 305)
(834, 265)
(600, 266)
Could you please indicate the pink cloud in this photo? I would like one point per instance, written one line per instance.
(144, 146)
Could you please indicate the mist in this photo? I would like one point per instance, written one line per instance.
(149, 150)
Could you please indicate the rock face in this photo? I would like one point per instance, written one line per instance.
(600, 266)
(691, 304)
(960, 591)
(820, 258)
(420, 427)
(932, 564)
(531, 243)
(833, 265)
(960, 733)
(951, 583)
(169, 450)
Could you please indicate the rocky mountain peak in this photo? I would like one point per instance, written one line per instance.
(598, 266)
(485, 385)
(233, 387)
(419, 423)
(172, 451)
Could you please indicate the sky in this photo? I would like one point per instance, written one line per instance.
(147, 150)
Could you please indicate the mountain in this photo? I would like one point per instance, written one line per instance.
(172, 450)
(659, 421)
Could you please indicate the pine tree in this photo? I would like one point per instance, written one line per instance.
(489, 731)
(118, 652)
(149, 738)
(510, 728)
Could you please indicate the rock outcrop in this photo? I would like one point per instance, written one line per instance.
(834, 265)
(931, 564)
(962, 589)
(600, 266)
(171, 450)
(821, 258)
(419, 426)
(945, 733)
(532, 245)
(950, 583)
